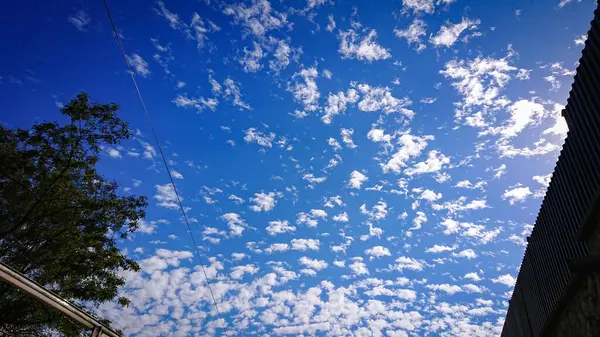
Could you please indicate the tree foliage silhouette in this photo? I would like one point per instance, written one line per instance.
(60, 219)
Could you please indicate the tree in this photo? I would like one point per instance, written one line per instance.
(60, 219)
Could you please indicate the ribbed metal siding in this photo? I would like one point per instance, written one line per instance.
(544, 274)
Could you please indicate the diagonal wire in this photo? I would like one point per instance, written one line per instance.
(163, 156)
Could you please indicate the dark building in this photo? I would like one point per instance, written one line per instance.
(558, 288)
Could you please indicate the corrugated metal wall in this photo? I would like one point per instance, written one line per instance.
(545, 275)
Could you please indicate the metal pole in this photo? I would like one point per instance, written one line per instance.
(49, 298)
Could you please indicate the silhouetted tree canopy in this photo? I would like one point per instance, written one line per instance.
(59, 218)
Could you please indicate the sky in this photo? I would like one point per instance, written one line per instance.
(349, 168)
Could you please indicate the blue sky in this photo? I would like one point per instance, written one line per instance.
(350, 168)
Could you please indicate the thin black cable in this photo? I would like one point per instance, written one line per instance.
(163, 156)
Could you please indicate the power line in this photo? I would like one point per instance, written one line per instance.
(162, 155)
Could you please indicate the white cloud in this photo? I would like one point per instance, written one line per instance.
(176, 174)
(80, 20)
(440, 248)
(470, 230)
(347, 137)
(450, 225)
(359, 268)
(308, 272)
(467, 253)
(554, 82)
(113, 153)
(164, 56)
(435, 161)
(499, 171)
(479, 232)
(166, 196)
(327, 74)
(517, 194)
(171, 17)
(260, 138)
(334, 144)
(336, 104)
(334, 201)
(560, 127)
(409, 263)
(480, 82)
(304, 218)
(543, 180)
(460, 205)
(441, 177)
(357, 179)
(449, 289)
(305, 244)
(196, 30)
(299, 114)
(312, 179)
(229, 91)
(139, 65)
(365, 49)
(541, 147)
(580, 41)
(419, 220)
(149, 151)
(256, 19)
(378, 212)
(410, 146)
(413, 33)
(379, 135)
(340, 264)
(469, 185)
(251, 59)
(263, 202)
(279, 227)
(523, 74)
(312, 264)
(239, 271)
(277, 247)
(318, 213)
(282, 56)
(235, 222)
(331, 24)
(236, 199)
(238, 256)
(563, 3)
(473, 276)
(149, 227)
(306, 92)
(381, 99)
(430, 195)
(472, 288)
(450, 33)
(522, 114)
(201, 103)
(396, 333)
(232, 92)
(505, 279)
(377, 251)
(426, 6)
(163, 259)
(342, 217)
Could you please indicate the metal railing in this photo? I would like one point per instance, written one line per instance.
(51, 299)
